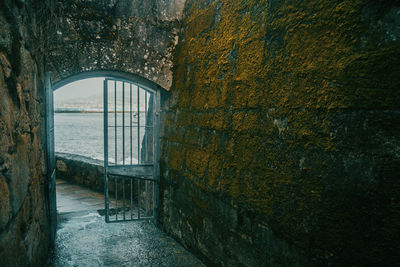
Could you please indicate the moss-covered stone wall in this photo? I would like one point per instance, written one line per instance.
(283, 133)
(24, 215)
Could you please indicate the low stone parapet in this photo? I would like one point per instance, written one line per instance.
(81, 170)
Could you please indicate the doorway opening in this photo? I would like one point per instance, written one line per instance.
(110, 119)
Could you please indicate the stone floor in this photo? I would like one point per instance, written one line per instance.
(73, 198)
(84, 239)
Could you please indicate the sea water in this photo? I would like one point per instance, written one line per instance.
(82, 134)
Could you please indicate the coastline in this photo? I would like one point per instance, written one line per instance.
(93, 111)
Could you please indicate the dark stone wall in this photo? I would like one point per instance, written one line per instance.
(282, 133)
(24, 215)
(136, 36)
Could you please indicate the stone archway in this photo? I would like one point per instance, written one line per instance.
(106, 73)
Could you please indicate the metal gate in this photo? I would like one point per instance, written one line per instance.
(131, 145)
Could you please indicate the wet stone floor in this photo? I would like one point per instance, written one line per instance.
(84, 239)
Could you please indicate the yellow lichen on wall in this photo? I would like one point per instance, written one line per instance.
(196, 162)
(285, 89)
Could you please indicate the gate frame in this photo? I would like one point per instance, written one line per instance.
(156, 150)
(50, 157)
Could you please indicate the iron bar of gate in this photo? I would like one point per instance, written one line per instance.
(115, 120)
(105, 129)
(123, 123)
(145, 152)
(130, 113)
(138, 123)
(123, 147)
(115, 146)
(130, 139)
(146, 158)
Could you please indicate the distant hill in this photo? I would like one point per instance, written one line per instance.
(92, 103)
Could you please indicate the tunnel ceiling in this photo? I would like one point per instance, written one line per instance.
(137, 37)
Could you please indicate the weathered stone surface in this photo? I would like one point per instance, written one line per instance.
(114, 244)
(127, 36)
(24, 231)
(287, 113)
(5, 207)
(282, 131)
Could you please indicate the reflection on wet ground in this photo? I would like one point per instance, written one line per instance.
(84, 239)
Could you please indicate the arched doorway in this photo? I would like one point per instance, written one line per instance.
(131, 144)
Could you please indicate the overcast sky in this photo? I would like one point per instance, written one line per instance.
(80, 89)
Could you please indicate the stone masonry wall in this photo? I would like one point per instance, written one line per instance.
(24, 217)
(135, 36)
(283, 133)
